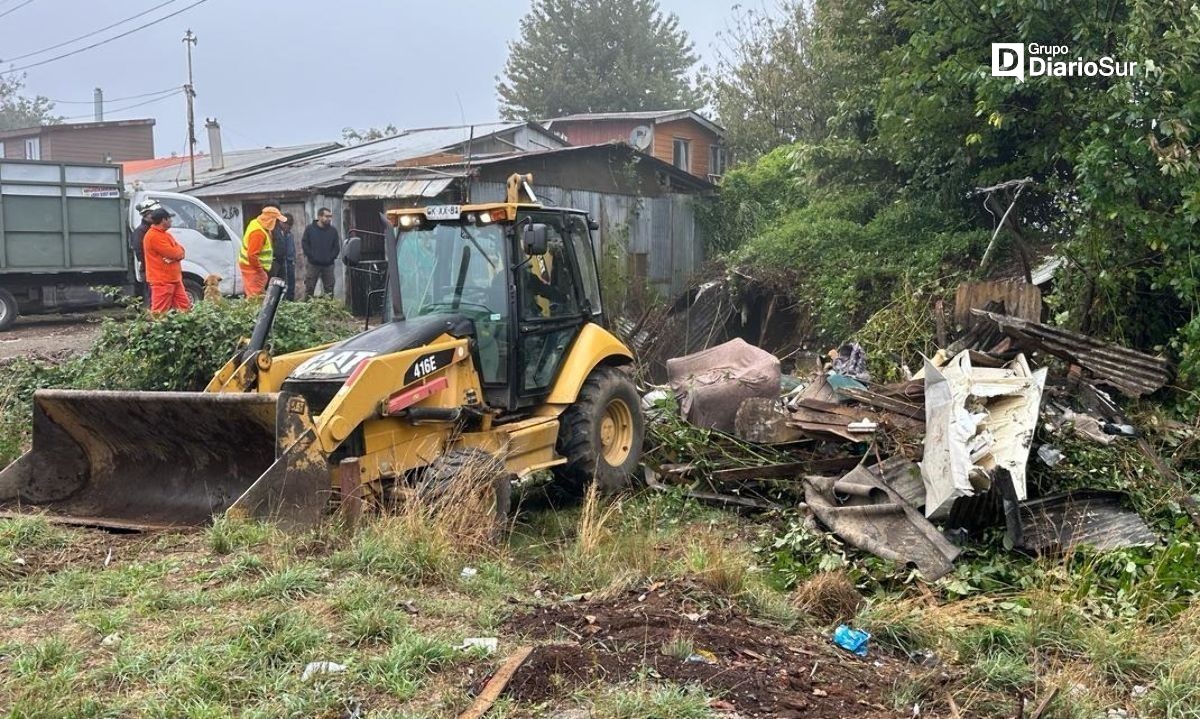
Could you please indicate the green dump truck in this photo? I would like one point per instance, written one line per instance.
(63, 233)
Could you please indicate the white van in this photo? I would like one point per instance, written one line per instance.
(211, 245)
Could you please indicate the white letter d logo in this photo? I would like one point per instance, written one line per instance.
(1008, 60)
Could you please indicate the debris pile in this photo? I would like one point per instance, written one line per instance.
(879, 464)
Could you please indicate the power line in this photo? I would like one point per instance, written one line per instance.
(116, 99)
(10, 12)
(89, 34)
(115, 110)
(102, 42)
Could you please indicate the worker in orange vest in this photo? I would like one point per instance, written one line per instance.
(163, 272)
(256, 255)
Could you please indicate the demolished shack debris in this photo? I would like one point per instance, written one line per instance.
(1093, 517)
(977, 419)
(1133, 373)
(863, 508)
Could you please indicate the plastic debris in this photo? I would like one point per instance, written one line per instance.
(468, 572)
(1050, 455)
(313, 669)
(850, 360)
(852, 640)
(487, 644)
(701, 656)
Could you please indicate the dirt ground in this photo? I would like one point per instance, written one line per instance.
(753, 669)
(51, 335)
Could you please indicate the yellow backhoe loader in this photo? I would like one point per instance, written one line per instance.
(493, 346)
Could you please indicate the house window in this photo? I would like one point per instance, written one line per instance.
(682, 154)
(717, 160)
(2, 155)
(33, 148)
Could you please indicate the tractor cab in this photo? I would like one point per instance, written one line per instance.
(523, 274)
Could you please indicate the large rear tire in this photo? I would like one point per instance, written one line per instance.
(601, 434)
(8, 309)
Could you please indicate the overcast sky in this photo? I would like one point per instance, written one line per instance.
(278, 72)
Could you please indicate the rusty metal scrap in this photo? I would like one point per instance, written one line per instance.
(1087, 516)
(863, 509)
(1133, 373)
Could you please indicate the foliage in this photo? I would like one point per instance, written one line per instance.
(19, 111)
(352, 136)
(798, 73)
(577, 56)
(917, 122)
(851, 253)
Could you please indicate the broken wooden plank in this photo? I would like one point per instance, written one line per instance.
(496, 685)
(881, 402)
(1020, 300)
(787, 470)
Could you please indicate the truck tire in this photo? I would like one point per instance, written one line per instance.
(194, 290)
(601, 434)
(8, 309)
(442, 472)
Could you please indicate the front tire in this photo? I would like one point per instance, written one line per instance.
(601, 434)
(470, 464)
(194, 290)
(8, 309)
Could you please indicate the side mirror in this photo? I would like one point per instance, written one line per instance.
(533, 238)
(352, 252)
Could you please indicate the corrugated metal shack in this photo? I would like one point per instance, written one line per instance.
(642, 202)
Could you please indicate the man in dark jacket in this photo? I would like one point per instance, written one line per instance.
(285, 244)
(321, 246)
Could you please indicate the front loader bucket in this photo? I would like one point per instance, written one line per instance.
(142, 459)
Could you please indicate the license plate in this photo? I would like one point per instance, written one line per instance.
(443, 212)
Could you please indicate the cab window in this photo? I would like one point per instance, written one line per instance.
(547, 285)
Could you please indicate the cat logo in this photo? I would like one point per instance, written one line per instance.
(331, 364)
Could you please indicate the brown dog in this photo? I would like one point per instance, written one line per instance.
(212, 288)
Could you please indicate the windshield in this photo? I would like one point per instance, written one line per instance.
(453, 268)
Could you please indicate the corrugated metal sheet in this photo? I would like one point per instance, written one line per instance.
(664, 228)
(1133, 373)
(387, 189)
(1087, 516)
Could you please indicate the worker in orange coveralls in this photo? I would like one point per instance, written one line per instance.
(256, 255)
(163, 272)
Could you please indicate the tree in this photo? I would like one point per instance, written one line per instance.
(17, 111)
(596, 56)
(352, 136)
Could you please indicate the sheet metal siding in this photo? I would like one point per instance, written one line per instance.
(664, 228)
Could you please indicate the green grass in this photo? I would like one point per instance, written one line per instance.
(229, 616)
(644, 700)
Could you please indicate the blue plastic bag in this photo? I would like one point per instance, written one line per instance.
(852, 640)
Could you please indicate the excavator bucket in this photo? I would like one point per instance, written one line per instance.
(145, 460)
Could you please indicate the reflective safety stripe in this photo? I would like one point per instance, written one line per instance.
(264, 255)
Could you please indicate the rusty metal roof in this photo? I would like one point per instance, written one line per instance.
(1133, 373)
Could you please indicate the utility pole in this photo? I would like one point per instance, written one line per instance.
(189, 39)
